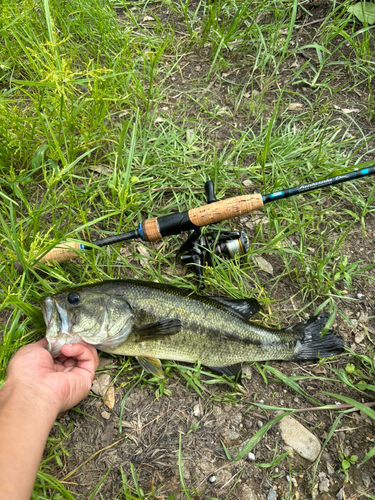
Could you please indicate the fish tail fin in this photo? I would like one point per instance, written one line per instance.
(311, 344)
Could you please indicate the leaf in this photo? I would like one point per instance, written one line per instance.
(100, 384)
(109, 399)
(38, 156)
(364, 11)
(263, 264)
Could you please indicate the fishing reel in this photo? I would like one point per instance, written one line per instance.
(198, 249)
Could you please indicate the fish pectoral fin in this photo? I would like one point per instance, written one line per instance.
(230, 371)
(157, 330)
(151, 365)
(244, 308)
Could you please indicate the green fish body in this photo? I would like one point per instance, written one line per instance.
(153, 322)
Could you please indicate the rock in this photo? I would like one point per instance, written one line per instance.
(251, 457)
(340, 495)
(299, 438)
(260, 424)
(366, 480)
(330, 469)
(101, 384)
(272, 495)
(197, 410)
(212, 479)
(324, 483)
(106, 415)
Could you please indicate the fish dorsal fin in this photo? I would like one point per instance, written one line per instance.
(151, 365)
(244, 308)
(157, 330)
(230, 371)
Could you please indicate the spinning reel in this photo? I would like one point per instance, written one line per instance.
(197, 250)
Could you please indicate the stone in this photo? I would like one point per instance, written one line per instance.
(366, 480)
(324, 483)
(330, 469)
(299, 438)
(251, 457)
(272, 495)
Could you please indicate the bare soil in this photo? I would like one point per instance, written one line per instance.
(152, 426)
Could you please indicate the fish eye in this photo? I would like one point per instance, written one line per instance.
(74, 298)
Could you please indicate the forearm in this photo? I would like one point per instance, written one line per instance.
(26, 418)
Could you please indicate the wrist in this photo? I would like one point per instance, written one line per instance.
(22, 395)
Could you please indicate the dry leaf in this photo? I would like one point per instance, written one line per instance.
(148, 18)
(247, 183)
(101, 384)
(247, 95)
(295, 105)
(109, 399)
(143, 251)
(263, 264)
(159, 120)
(105, 361)
(347, 110)
(101, 170)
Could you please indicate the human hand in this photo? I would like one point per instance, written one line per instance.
(62, 382)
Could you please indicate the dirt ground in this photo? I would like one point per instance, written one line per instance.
(152, 426)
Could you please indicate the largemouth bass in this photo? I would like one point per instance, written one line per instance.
(153, 322)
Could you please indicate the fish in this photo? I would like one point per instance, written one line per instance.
(154, 322)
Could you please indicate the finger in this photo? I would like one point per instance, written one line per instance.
(86, 357)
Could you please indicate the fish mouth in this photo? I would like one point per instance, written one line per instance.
(57, 331)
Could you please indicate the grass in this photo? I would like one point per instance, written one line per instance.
(105, 121)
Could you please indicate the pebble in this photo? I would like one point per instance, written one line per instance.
(366, 480)
(106, 415)
(272, 495)
(324, 483)
(360, 295)
(260, 424)
(340, 495)
(330, 469)
(212, 479)
(299, 438)
(251, 457)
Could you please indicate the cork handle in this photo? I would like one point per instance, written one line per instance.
(61, 253)
(225, 209)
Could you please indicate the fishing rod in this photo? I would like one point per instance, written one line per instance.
(215, 211)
